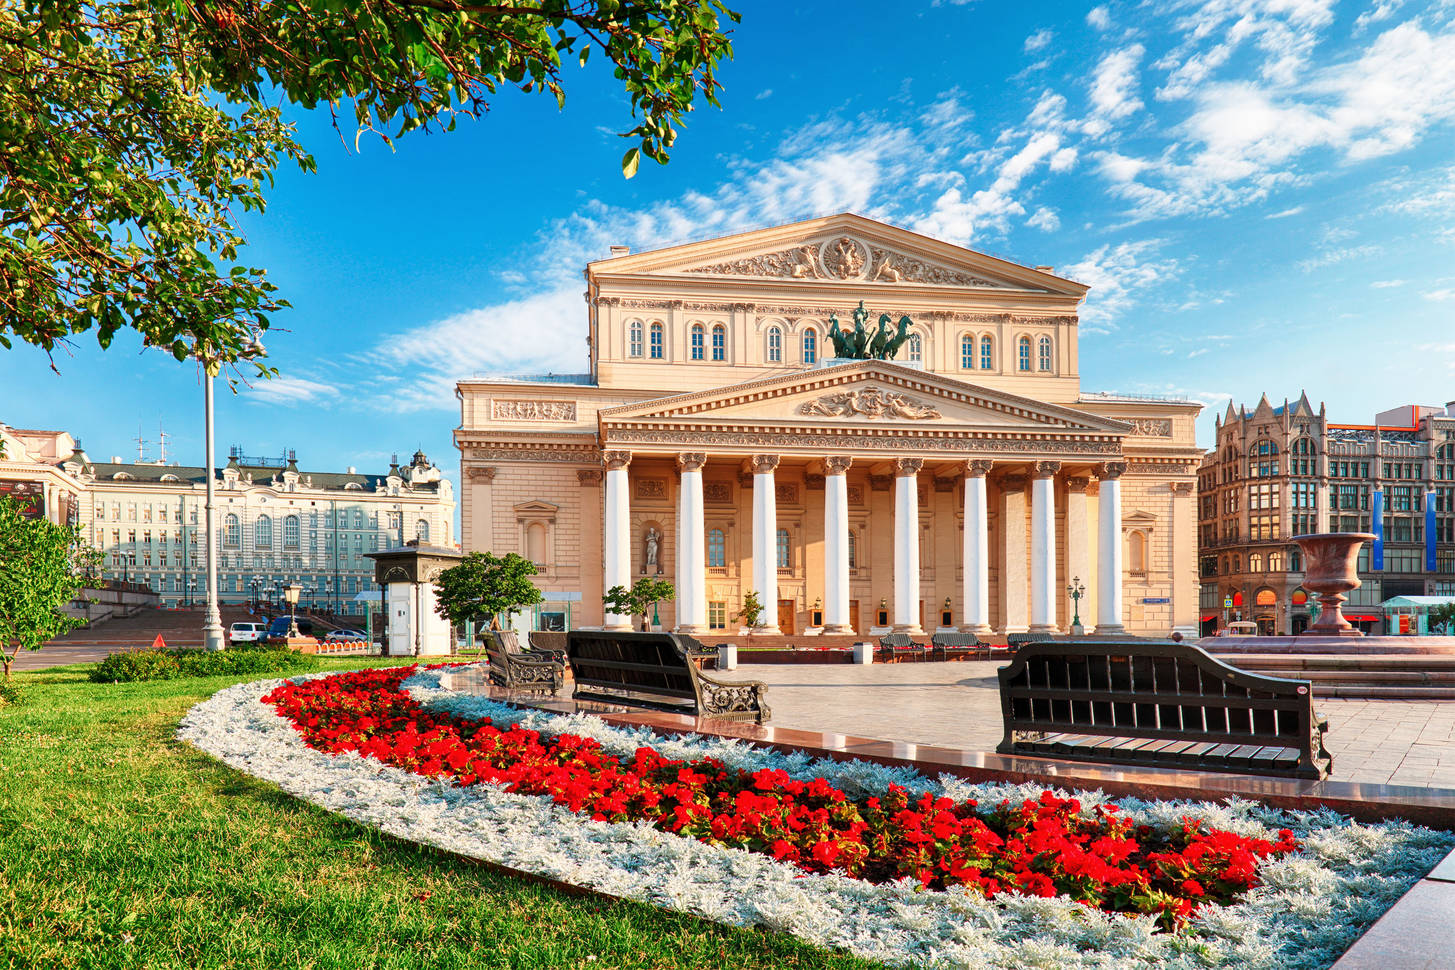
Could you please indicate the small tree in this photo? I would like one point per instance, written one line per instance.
(42, 567)
(752, 611)
(1442, 618)
(484, 585)
(640, 600)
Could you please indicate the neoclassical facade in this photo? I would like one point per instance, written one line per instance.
(717, 442)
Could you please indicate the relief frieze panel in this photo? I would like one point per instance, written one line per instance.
(845, 258)
(1151, 427)
(718, 493)
(527, 410)
(650, 488)
(869, 402)
(961, 445)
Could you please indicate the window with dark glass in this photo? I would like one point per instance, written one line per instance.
(698, 342)
(785, 560)
(719, 342)
(657, 341)
(716, 549)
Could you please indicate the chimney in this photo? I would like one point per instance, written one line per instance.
(620, 251)
(352, 471)
(115, 459)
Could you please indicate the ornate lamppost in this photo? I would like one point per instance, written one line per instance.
(290, 596)
(1076, 589)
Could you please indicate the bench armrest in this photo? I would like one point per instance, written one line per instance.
(734, 697)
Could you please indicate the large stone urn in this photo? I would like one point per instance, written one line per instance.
(1331, 570)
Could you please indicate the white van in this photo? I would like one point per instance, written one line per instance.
(246, 632)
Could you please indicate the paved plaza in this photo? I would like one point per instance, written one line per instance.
(957, 704)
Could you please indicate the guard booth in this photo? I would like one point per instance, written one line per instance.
(406, 574)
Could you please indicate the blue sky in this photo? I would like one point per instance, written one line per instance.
(1261, 194)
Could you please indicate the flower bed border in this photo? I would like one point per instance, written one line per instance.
(891, 923)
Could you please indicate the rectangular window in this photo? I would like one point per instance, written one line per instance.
(162, 514)
(785, 560)
(1263, 527)
(146, 514)
(717, 615)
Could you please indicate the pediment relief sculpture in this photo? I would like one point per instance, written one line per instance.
(844, 258)
(869, 402)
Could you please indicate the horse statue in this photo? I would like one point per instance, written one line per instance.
(839, 338)
(860, 344)
(897, 341)
(881, 338)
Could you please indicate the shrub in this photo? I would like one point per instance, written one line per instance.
(169, 664)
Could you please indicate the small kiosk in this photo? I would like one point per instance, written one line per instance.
(406, 574)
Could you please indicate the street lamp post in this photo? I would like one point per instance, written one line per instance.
(1076, 590)
(290, 595)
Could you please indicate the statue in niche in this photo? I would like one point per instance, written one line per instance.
(653, 541)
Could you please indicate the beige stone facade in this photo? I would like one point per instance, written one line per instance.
(715, 434)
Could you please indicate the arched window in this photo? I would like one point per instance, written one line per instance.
(535, 543)
(810, 346)
(916, 347)
(1044, 354)
(263, 532)
(1302, 462)
(698, 342)
(987, 352)
(421, 530)
(785, 560)
(232, 531)
(853, 549)
(1023, 354)
(634, 338)
(1255, 562)
(967, 352)
(1275, 562)
(1265, 597)
(716, 549)
(719, 342)
(1137, 552)
(290, 532)
(1237, 568)
(775, 345)
(657, 341)
(1263, 459)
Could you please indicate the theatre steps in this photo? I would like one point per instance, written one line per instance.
(1382, 676)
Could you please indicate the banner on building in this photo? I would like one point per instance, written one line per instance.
(1376, 554)
(30, 496)
(1430, 531)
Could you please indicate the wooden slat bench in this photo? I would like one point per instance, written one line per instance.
(953, 646)
(1158, 704)
(702, 656)
(899, 647)
(517, 669)
(655, 670)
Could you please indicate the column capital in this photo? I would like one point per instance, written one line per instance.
(1111, 469)
(1181, 488)
(691, 461)
(1047, 469)
(763, 464)
(837, 464)
(588, 476)
(616, 459)
(908, 467)
(1077, 483)
(978, 467)
(478, 473)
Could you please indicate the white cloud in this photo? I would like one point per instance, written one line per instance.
(763, 95)
(291, 391)
(1064, 160)
(1045, 219)
(1117, 276)
(1440, 296)
(1114, 88)
(1387, 284)
(1197, 353)
(1039, 39)
(1381, 11)
(1099, 18)
(1341, 255)
(1285, 213)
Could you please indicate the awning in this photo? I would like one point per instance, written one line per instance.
(1362, 617)
(1209, 616)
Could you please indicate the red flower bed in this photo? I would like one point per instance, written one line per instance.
(1045, 847)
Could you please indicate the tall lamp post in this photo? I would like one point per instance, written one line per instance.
(290, 595)
(212, 638)
(1076, 590)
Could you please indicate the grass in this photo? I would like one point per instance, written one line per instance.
(122, 847)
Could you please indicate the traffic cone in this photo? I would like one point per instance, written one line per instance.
(159, 643)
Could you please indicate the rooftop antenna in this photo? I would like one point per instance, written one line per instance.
(141, 445)
(162, 437)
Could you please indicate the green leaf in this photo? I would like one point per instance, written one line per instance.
(630, 161)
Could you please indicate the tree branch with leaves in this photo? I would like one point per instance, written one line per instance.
(483, 586)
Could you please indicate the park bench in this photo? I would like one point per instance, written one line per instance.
(656, 670)
(547, 645)
(517, 669)
(1157, 704)
(701, 655)
(955, 646)
(898, 647)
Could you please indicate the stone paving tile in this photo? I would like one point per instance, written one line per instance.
(958, 704)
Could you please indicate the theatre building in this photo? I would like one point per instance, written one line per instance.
(717, 441)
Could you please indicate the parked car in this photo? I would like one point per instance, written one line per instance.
(279, 626)
(341, 636)
(242, 632)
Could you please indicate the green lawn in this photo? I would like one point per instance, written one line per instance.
(121, 847)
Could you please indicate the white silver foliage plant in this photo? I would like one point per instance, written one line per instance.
(1308, 910)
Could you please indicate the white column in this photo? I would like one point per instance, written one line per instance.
(691, 548)
(836, 545)
(1013, 559)
(906, 545)
(1109, 551)
(1078, 549)
(765, 540)
(616, 532)
(976, 567)
(1043, 547)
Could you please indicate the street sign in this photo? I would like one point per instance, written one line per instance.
(1227, 602)
(1156, 599)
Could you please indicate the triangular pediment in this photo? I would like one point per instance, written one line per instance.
(839, 250)
(873, 395)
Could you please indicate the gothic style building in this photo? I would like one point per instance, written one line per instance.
(719, 443)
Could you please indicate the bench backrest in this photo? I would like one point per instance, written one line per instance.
(1149, 690)
(499, 644)
(651, 663)
(896, 640)
(954, 640)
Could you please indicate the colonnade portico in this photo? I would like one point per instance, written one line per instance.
(1036, 600)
